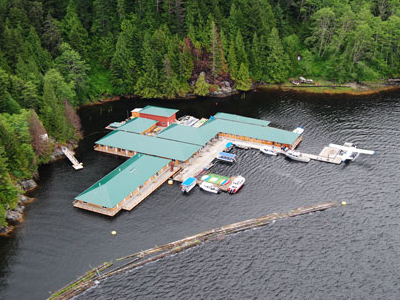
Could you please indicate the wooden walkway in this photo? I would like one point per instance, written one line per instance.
(148, 189)
(328, 154)
(75, 163)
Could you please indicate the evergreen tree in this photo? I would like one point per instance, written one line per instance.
(73, 30)
(277, 60)
(124, 67)
(202, 87)
(232, 61)
(243, 81)
(73, 68)
(51, 37)
(8, 192)
(241, 53)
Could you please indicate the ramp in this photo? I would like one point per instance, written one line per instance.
(75, 163)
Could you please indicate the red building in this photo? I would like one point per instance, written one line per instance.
(164, 116)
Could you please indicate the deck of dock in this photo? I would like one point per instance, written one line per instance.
(328, 154)
(148, 189)
(196, 164)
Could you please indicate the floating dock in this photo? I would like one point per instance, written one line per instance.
(328, 154)
(75, 163)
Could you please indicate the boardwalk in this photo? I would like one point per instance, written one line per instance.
(75, 163)
(148, 189)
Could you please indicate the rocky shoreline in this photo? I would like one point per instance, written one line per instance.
(15, 216)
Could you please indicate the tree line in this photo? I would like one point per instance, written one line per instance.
(56, 55)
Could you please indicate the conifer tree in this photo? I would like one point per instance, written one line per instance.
(243, 81)
(202, 87)
(126, 58)
(232, 61)
(73, 31)
(241, 53)
(51, 37)
(277, 60)
(73, 68)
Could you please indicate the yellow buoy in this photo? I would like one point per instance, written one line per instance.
(170, 182)
(344, 203)
(113, 232)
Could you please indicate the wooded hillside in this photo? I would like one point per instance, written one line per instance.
(56, 55)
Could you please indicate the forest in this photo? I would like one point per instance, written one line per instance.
(56, 55)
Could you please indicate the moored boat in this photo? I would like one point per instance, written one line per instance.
(241, 146)
(236, 184)
(188, 185)
(227, 157)
(268, 150)
(296, 155)
(209, 187)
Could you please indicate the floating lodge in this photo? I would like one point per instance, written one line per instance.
(159, 147)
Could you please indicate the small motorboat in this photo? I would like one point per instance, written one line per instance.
(268, 150)
(299, 130)
(188, 185)
(241, 146)
(209, 187)
(226, 157)
(296, 155)
(236, 184)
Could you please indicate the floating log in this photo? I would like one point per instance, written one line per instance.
(141, 258)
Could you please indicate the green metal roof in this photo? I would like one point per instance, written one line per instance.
(119, 183)
(241, 119)
(149, 145)
(137, 125)
(252, 131)
(192, 135)
(158, 111)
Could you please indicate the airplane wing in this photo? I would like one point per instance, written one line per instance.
(353, 149)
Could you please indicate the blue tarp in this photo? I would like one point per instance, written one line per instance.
(228, 145)
(189, 181)
(229, 155)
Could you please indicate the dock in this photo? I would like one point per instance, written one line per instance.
(75, 163)
(328, 154)
(136, 199)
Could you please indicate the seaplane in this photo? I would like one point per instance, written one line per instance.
(349, 151)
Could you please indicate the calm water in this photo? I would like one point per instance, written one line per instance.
(350, 252)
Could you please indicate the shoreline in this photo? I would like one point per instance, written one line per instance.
(352, 89)
(16, 216)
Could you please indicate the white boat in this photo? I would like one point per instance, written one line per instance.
(296, 155)
(268, 150)
(241, 146)
(188, 185)
(299, 130)
(236, 184)
(209, 187)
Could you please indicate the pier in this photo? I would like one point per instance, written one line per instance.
(75, 163)
(133, 261)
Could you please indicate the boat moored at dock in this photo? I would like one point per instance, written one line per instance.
(188, 185)
(226, 157)
(236, 185)
(209, 187)
(296, 155)
(268, 150)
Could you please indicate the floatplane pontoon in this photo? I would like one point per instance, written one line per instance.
(349, 151)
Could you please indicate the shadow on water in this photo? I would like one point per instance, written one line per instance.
(355, 248)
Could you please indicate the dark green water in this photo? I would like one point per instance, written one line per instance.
(344, 253)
